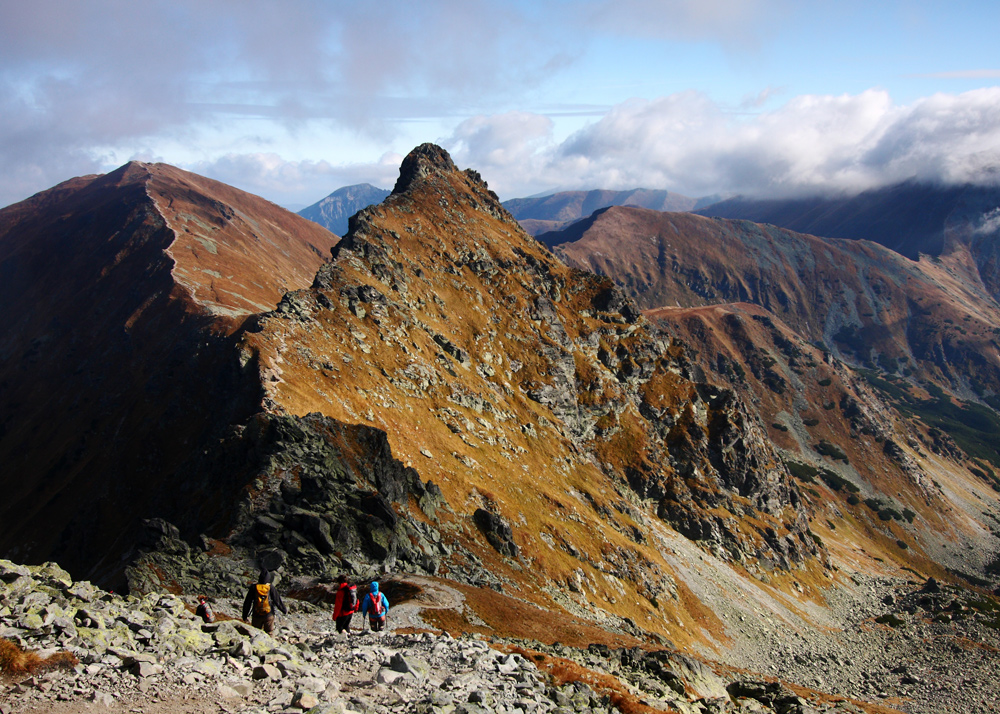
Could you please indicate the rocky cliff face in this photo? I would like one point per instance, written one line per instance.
(874, 374)
(866, 305)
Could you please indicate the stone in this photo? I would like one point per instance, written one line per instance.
(244, 689)
(304, 699)
(241, 650)
(497, 531)
(227, 692)
(312, 684)
(282, 700)
(145, 669)
(409, 664)
(329, 708)
(209, 668)
(266, 671)
(386, 675)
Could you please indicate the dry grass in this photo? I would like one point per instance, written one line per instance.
(507, 617)
(16, 661)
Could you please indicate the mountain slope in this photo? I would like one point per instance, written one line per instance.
(121, 293)
(546, 413)
(848, 351)
(334, 211)
(910, 218)
(554, 212)
(865, 304)
(447, 397)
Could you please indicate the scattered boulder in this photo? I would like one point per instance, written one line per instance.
(497, 531)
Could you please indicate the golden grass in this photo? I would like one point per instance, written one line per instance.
(504, 616)
(16, 661)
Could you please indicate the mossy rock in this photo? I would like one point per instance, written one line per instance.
(189, 640)
(51, 574)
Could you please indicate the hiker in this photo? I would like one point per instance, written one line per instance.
(375, 606)
(346, 604)
(204, 610)
(262, 599)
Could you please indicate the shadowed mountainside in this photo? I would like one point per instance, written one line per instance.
(867, 305)
(910, 218)
(121, 293)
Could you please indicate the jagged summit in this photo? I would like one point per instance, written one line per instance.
(422, 161)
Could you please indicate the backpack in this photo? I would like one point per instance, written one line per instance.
(262, 602)
(350, 601)
(377, 610)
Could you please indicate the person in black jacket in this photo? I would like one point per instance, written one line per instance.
(262, 600)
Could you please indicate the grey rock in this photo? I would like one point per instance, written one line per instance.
(145, 669)
(267, 671)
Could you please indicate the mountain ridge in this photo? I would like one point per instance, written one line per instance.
(122, 308)
(447, 397)
(553, 212)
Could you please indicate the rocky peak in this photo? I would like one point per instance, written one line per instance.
(529, 393)
(421, 162)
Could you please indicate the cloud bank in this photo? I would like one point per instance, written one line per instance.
(689, 144)
(231, 84)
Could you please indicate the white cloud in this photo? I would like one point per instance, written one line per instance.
(963, 74)
(80, 80)
(738, 22)
(209, 83)
(292, 182)
(688, 143)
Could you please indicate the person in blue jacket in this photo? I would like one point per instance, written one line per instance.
(375, 606)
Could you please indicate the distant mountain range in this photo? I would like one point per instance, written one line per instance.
(537, 215)
(556, 211)
(334, 211)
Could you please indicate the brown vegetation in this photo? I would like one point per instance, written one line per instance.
(16, 661)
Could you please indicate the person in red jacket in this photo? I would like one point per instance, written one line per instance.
(346, 604)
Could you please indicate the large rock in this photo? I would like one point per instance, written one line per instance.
(497, 531)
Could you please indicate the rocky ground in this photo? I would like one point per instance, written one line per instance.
(916, 650)
(920, 648)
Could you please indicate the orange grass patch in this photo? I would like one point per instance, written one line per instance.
(506, 617)
(14, 660)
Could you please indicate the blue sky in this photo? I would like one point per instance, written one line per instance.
(293, 100)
